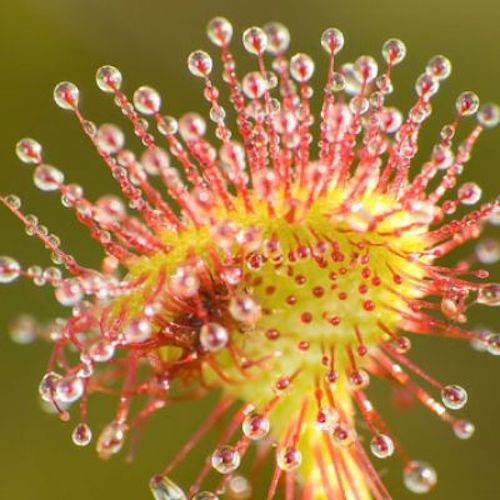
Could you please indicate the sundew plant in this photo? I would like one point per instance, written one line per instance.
(278, 259)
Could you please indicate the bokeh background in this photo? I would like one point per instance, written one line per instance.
(45, 41)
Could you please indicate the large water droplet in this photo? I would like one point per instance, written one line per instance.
(69, 389)
(256, 426)
(200, 63)
(108, 78)
(9, 269)
(489, 295)
(66, 95)
(213, 337)
(82, 435)
(278, 38)
(111, 440)
(48, 178)
(225, 459)
(463, 429)
(48, 385)
(147, 100)
(164, 488)
(454, 397)
(332, 40)
(419, 477)
(288, 458)
(301, 67)
(29, 151)
(219, 31)
(394, 51)
(382, 446)
(255, 40)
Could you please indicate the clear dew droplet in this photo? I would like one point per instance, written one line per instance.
(200, 63)
(454, 397)
(469, 193)
(256, 426)
(66, 95)
(278, 38)
(243, 308)
(29, 151)
(9, 269)
(332, 40)
(488, 115)
(110, 139)
(47, 178)
(164, 488)
(439, 67)
(219, 31)
(365, 69)
(489, 295)
(394, 51)
(255, 40)
(108, 78)
(69, 389)
(493, 344)
(225, 459)
(463, 429)
(111, 440)
(13, 201)
(69, 292)
(382, 446)
(147, 100)
(419, 477)
(239, 488)
(467, 103)
(23, 330)
(48, 385)
(288, 458)
(301, 67)
(213, 337)
(82, 435)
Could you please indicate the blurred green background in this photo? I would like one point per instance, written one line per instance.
(45, 41)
